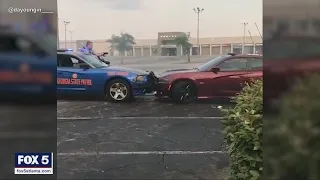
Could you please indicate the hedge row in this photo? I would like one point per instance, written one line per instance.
(243, 133)
(291, 139)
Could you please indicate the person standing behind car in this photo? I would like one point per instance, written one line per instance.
(88, 49)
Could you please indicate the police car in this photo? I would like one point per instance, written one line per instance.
(85, 75)
(27, 65)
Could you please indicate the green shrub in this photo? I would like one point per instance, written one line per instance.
(243, 133)
(292, 138)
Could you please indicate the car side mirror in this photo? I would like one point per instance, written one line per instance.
(215, 69)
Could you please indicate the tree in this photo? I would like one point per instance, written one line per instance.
(183, 41)
(122, 43)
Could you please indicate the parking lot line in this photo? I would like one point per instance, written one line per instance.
(140, 153)
(78, 118)
(166, 117)
(137, 117)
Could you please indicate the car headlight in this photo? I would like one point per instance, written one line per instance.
(140, 78)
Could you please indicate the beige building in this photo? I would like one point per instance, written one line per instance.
(296, 18)
(164, 45)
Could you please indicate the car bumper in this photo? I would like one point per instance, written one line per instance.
(140, 89)
(162, 90)
(147, 87)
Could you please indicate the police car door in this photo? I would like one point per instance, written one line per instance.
(71, 77)
(24, 66)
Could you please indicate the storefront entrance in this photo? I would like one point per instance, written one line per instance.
(169, 52)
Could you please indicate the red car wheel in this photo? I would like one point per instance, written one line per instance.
(183, 92)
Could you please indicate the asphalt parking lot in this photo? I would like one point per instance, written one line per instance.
(21, 127)
(140, 140)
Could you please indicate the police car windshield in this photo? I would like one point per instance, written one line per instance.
(93, 60)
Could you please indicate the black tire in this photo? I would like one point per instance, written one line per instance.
(112, 83)
(183, 92)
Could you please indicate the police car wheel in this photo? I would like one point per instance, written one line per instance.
(118, 90)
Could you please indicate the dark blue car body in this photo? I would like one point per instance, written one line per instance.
(28, 69)
(99, 76)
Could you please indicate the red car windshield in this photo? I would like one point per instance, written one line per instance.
(206, 66)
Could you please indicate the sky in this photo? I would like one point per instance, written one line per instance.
(99, 19)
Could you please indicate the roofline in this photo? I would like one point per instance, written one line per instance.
(140, 39)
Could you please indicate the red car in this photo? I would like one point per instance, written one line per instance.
(221, 77)
(286, 59)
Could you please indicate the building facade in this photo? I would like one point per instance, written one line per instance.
(164, 45)
(291, 18)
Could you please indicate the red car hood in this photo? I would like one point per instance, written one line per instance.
(176, 71)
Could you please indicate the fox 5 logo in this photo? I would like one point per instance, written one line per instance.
(33, 159)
